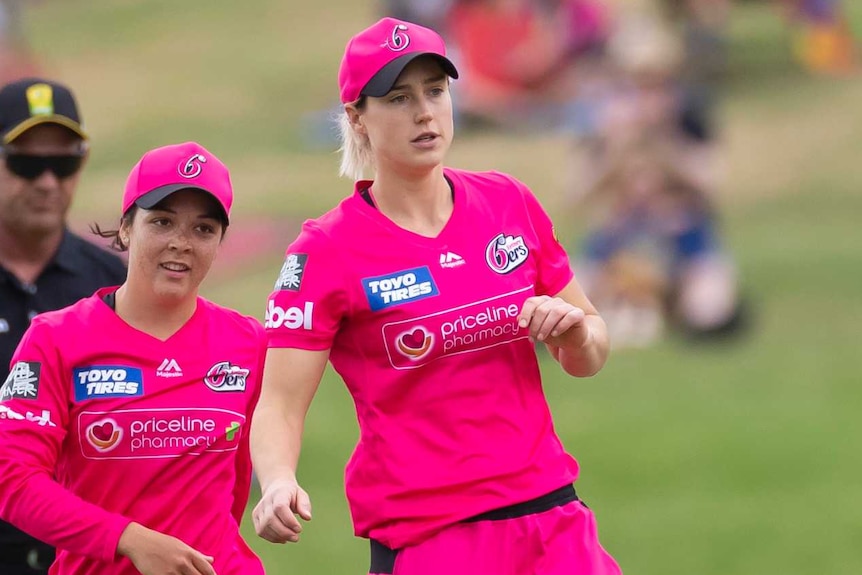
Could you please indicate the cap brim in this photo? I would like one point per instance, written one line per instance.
(149, 200)
(381, 83)
(47, 119)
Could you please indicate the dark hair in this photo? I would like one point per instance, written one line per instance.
(114, 235)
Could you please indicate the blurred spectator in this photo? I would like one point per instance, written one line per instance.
(519, 58)
(823, 42)
(653, 85)
(703, 26)
(633, 96)
(16, 59)
(43, 265)
(654, 258)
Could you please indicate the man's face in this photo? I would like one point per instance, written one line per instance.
(32, 206)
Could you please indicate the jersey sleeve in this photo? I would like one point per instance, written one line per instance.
(34, 420)
(243, 454)
(554, 270)
(308, 302)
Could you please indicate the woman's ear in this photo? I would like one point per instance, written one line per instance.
(123, 232)
(354, 116)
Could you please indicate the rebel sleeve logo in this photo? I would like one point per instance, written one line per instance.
(290, 318)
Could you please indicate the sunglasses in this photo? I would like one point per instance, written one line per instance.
(32, 167)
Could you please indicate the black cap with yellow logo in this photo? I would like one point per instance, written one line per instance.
(33, 101)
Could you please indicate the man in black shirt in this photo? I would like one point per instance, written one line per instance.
(43, 266)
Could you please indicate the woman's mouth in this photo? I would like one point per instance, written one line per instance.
(175, 267)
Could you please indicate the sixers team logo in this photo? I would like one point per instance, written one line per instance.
(505, 253)
(415, 344)
(399, 40)
(104, 434)
(193, 166)
(224, 376)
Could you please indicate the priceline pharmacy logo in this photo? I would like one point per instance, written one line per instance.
(158, 433)
(479, 325)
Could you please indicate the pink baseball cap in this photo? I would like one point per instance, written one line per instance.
(374, 58)
(163, 171)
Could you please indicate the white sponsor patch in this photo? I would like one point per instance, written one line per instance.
(290, 318)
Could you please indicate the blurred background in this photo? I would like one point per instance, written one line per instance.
(701, 161)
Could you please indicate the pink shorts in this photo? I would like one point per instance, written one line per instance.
(552, 535)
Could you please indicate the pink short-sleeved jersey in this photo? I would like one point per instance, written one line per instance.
(453, 420)
(102, 424)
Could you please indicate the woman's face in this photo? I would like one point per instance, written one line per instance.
(410, 129)
(173, 245)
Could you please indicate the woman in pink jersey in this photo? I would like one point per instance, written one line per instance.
(426, 289)
(124, 421)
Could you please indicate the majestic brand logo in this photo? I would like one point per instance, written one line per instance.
(399, 288)
(226, 377)
(193, 166)
(505, 253)
(398, 40)
(451, 260)
(22, 382)
(290, 277)
(169, 368)
(290, 318)
(96, 381)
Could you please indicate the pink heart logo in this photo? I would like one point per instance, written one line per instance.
(415, 339)
(103, 432)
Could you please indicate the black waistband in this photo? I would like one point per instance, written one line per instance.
(556, 498)
(383, 558)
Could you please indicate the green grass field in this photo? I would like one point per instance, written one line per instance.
(736, 459)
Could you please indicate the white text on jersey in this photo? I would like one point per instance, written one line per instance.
(290, 318)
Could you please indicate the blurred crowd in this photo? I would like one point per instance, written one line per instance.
(823, 39)
(636, 84)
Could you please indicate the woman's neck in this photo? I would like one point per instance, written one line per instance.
(422, 205)
(158, 317)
